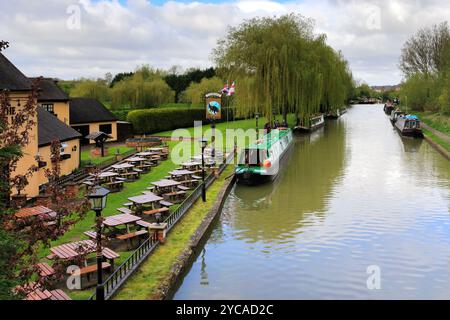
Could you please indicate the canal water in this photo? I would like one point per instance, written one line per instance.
(351, 198)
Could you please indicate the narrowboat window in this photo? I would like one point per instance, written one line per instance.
(250, 157)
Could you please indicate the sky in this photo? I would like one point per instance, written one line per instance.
(69, 39)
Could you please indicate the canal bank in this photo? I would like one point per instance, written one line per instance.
(158, 274)
(352, 195)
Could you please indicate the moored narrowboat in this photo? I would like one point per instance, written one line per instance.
(336, 114)
(395, 115)
(260, 162)
(316, 122)
(409, 125)
(388, 108)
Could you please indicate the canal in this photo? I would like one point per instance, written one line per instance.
(350, 196)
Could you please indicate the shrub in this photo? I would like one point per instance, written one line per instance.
(147, 121)
(156, 120)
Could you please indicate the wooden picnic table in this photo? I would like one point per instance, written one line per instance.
(41, 211)
(191, 165)
(114, 185)
(147, 154)
(120, 219)
(122, 167)
(148, 199)
(73, 250)
(181, 175)
(136, 159)
(39, 295)
(165, 185)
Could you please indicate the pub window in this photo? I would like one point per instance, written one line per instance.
(106, 128)
(10, 111)
(48, 107)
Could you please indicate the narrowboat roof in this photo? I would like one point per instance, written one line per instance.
(269, 139)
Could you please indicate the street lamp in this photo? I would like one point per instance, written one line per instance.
(203, 143)
(97, 199)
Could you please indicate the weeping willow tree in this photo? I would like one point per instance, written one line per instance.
(280, 66)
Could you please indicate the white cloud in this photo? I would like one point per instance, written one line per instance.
(115, 38)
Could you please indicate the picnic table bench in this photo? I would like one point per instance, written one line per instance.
(155, 211)
(91, 269)
(183, 188)
(144, 224)
(58, 294)
(130, 236)
(115, 185)
(196, 177)
(175, 196)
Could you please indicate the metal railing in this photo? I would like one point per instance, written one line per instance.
(121, 274)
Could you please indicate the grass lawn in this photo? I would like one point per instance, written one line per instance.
(144, 282)
(115, 200)
(223, 126)
(438, 121)
(437, 139)
(86, 155)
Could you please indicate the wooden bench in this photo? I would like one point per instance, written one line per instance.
(128, 204)
(196, 177)
(125, 210)
(183, 188)
(155, 211)
(91, 269)
(116, 185)
(132, 235)
(58, 294)
(143, 224)
(138, 170)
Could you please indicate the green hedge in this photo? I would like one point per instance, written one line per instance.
(147, 121)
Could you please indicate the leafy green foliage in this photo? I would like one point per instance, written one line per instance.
(180, 82)
(281, 66)
(156, 120)
(145, 88)
(195, 93)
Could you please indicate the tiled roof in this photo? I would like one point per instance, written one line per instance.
(50, 128)
(87, 110)
(11, 78)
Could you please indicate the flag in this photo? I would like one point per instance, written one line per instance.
(232, 90)
(225, 89)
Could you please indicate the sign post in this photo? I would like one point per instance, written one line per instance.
(213, 113)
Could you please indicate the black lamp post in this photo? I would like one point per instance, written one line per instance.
(97, 199)
(203, 143)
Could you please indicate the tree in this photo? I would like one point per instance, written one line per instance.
(145, 88)
(281, 66)
(423, 52)
(195, 93)
(96, 89)
(180, 82)
(22, 238)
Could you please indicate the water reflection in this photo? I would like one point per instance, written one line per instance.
(352, 195)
